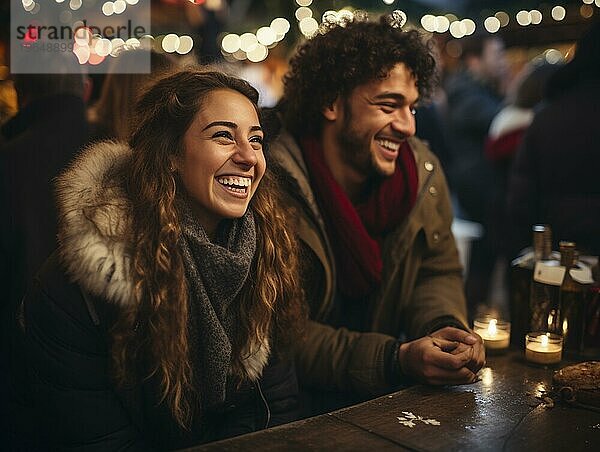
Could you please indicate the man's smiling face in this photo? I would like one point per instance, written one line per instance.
(373, 122)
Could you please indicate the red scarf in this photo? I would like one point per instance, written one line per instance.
(357, 231)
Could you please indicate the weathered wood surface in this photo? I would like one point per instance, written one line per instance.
(503, 411)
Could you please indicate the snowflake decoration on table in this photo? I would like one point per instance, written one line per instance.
(409, 420)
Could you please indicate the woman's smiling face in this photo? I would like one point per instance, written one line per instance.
(222, 161)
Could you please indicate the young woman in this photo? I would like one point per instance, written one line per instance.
(165, 318)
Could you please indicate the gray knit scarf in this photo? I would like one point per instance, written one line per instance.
(216, 272)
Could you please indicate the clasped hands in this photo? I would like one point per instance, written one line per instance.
(448, 356)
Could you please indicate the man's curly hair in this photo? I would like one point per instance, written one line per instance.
(333, 64)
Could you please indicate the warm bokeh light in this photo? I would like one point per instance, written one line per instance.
(524, 18)
(103, 47)
(133, 43)
(83, 36)
(259, 53)
(170, 43)
(303, 12)
(345, 16)
(469, 26)
(213, 5)
(558, 13)
(458, 29)
(231, 43)
(95, 59)
(186, 43)
(536, 16)
(75, 4)
(428, 22)
(117, 45)
(119, 6)
(280, 25)
(240, 55)
(147, 42)
(503, 17)
(304, 2)
(248, 41)
(492, 24)
(82, 53)
(442, 24)
(308, 26)
(266, 36)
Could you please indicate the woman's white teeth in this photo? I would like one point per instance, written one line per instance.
(389, 145)
(236, 184)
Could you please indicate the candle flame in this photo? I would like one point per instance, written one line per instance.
(545, 340)
(492, 330)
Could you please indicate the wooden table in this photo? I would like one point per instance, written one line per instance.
(503, 411)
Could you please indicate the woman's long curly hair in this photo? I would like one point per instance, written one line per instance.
(332, 64)
(154, 332)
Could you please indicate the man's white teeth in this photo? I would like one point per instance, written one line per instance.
(392, 146)
(235, 181)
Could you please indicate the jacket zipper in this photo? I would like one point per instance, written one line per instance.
(262, 396)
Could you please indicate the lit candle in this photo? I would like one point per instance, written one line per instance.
(495, 335)
(543, 348)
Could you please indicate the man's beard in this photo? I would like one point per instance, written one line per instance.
(356, 147)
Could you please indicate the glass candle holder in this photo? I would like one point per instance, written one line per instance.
(543, 348)
(495, 333)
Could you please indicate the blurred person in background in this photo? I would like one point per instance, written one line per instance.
(165, 317)
(112, 115)
(554, 179)
(475, 94)
(506, 134)
(379, 263)
(39, 141)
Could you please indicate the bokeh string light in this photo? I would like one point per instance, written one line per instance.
(255, 45)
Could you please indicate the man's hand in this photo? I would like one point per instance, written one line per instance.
(465, 339)
(448, 356)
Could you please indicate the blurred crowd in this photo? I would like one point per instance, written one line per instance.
(503, 174)
(518, 147)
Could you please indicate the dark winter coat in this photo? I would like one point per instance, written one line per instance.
(555, 176)
(421, 289)
(65, 390)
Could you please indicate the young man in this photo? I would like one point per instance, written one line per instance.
(381, 269)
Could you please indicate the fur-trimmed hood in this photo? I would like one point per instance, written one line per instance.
(95, 231)
(93, 222)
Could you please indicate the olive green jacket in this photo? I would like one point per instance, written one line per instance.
(421, 290)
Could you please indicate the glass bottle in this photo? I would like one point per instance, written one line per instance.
(544, 300)
(521, 276)
(572, 299)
